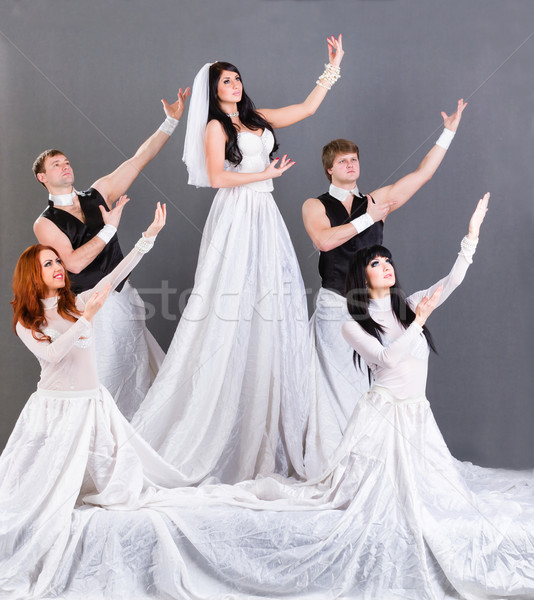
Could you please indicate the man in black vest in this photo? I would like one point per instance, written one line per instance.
(82, 227)
(339, 223)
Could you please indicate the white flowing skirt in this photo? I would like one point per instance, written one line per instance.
(127, 355)
(395, 517)
(231, 397)
(338, 383)
(68, 451)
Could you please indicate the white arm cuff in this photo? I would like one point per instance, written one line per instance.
(467, 249)
(106, 233)
(362, 223)
(169, 125)
(145, 244)
(445, 139)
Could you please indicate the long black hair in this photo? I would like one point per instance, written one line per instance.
(358, 298)
(247, 113)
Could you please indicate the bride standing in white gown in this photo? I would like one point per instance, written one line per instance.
(230, 399)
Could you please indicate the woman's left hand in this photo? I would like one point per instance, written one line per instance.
(335, 50)
(478, 217)
(159, 221)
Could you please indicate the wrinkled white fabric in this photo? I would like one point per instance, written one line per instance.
(338, 384)
(128, 356)
(230, 399)
(394, 516)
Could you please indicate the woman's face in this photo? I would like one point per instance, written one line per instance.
(229, 88)
(380, 276)
(52, 271)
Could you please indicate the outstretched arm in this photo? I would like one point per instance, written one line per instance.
(115, 184)
(92, 300)
(282, 117)
(398, 193)
(75, 261)
(465, 257)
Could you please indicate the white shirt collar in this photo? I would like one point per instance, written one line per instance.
(63, 199)
(341, 194)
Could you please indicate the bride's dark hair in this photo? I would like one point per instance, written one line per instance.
(247, 113)
(358, 298)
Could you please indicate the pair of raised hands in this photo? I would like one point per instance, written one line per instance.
(97, 300)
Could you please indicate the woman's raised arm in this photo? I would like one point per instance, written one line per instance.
(468, 246)
(93, 300)
(282, 117)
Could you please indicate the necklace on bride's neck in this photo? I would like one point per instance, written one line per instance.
(234, 114)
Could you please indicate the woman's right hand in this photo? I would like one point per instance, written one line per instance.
(478, 217)
(335, 50)
(272, 171)
(158, 223)
(426, 306)
(95, 303)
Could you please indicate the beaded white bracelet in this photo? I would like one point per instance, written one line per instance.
(144, 245)
(467, 249)
(169, 125)
(330, 75)
(362, 223)
(106, 233)
(445, 139)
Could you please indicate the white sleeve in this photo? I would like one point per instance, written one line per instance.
(372, 351)
(54, 351)
(120, 272)
(449, 283)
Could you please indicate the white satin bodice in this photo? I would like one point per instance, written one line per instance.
(255, 150)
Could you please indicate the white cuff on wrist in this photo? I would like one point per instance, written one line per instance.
(467, 249)
(169, 125)
(106, 233)
(362, 223)
(445, 139)
(145, 244)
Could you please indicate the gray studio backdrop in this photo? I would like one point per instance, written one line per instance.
(87, 77)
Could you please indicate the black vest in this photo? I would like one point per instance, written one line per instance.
(334, 264)
(79, 233)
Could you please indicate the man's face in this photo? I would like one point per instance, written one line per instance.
(345, 170)
(57, 173)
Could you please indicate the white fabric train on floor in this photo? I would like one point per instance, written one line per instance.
(394, 516)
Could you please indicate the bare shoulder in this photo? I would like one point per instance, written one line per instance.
(263, 113)
(312, 205)
(214, 127)
(49, 233)
(42, 224)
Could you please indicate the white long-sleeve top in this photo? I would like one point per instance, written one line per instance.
(68, 362)
(400, 362)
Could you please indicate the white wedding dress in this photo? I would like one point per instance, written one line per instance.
(394, 517)
(231, 398)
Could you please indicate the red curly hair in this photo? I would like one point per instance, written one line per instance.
(29, 288)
